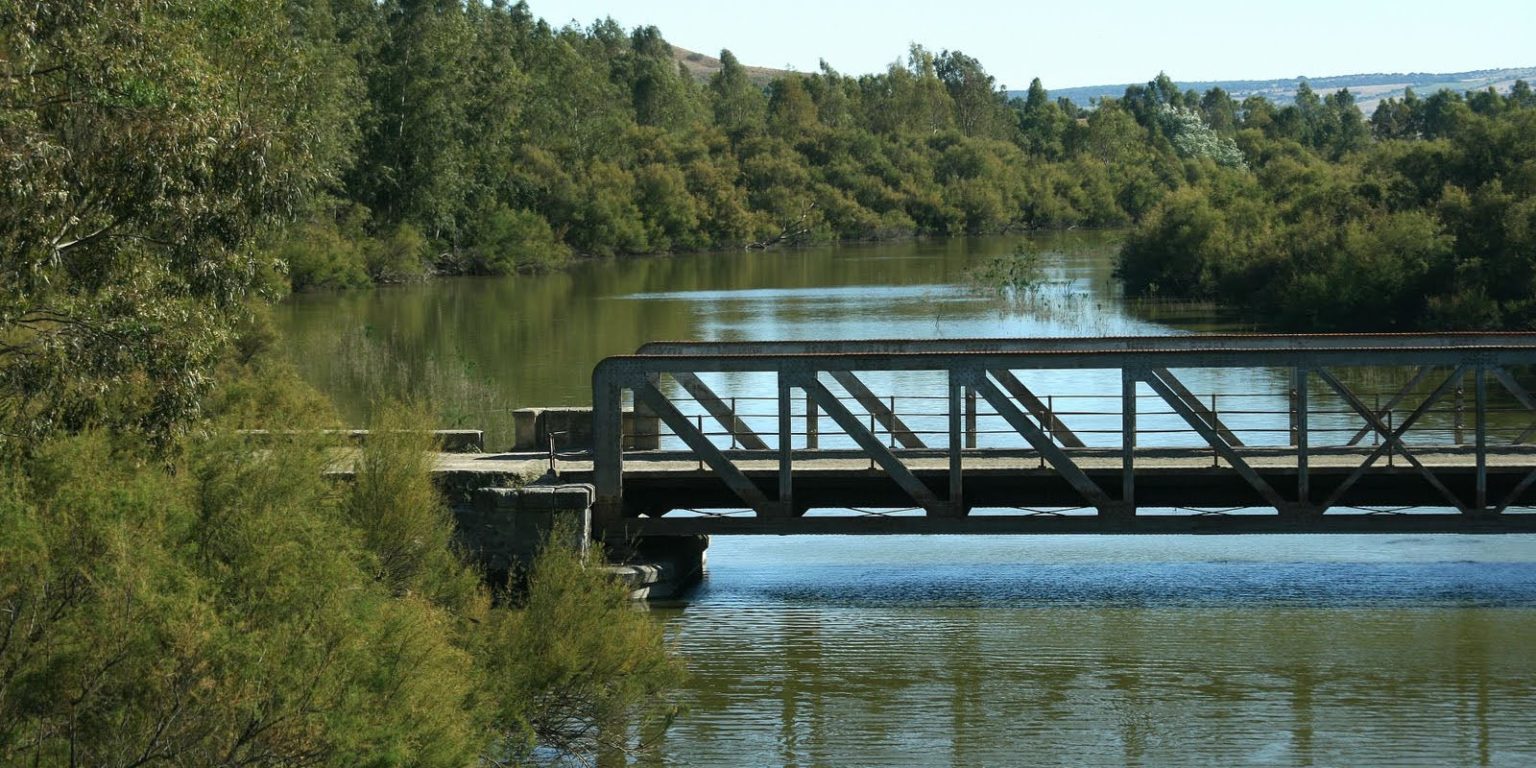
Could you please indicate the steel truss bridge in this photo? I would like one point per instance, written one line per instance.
(1385, 433)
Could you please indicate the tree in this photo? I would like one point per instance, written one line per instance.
(1191, 137)
(145, 145)
(416, 163)
(791, 112)
(740, 106)
(979, 107)
(1042, 123)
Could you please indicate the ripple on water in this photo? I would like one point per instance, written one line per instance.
(1280, 653)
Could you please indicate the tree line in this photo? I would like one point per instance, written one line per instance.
(1421, 217)
(479, 139)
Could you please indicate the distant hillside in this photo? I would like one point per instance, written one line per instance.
(1369, 90)
(702, 66)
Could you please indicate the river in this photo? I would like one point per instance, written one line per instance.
(972, 651)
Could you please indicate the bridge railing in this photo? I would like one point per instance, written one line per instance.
(898, 404)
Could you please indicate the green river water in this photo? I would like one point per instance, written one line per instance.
(974, 651)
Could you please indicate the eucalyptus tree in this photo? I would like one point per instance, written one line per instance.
(144, 145)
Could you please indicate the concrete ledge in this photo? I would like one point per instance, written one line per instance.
(572, 428)
(535, 498)
(653, 581)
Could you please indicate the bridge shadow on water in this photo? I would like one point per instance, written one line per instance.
(1272, 571)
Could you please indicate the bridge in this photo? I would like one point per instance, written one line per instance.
(1385, 433)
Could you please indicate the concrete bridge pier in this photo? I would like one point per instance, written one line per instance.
(505, 528)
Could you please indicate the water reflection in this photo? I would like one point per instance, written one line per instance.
(483, 346)
(1109, 651)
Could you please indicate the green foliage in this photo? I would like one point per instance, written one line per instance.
(515, 241)
(401, 256)
(1427, 227)
(238, 607)
(144, 145)
(587, 666)
(1191, 137)
(510, 145)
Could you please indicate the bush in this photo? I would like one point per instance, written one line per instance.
(401, 256)
(515, 241)
(234, 606)
(317, 255)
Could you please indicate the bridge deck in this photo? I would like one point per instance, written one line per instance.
(669, 493)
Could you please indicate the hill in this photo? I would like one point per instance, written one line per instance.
(1369, 89)
(701, 66)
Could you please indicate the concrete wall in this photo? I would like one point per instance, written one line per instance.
(504, 528)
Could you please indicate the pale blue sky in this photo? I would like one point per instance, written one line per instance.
(1092, 42)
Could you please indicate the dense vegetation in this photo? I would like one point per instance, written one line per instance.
(479, 139)
(169, 593)
(1422, 217)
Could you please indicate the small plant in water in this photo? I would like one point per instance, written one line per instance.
(1025, 278)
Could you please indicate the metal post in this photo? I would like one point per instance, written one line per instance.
(607, 453)
(1458, 420)
(1386, 416)
(1376, 409)
(873, 436)
(970, 417)
(1480, 380)
(786, 448)
(1215, 453)
(699, 423)
(892, 406)
(956, 440)
(1294, 427)
(1128, 439)
(1302, 439)
(1050, 424)
(812, 427)
(733, 423)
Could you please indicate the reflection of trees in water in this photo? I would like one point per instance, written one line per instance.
(922, 684)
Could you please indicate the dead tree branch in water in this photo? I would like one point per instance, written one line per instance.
(790, 232)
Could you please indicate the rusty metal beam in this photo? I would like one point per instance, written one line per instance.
(1521, 395)
(1196, 406)
(1158, 379)
(1041, 442)
(1390, 437)
(1413, 383)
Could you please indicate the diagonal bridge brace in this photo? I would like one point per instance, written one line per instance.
(1169, 389)
(1037, 408)
(1397, 399)
(1393, 438)
(878, 409)
(876, 450)
(1042, 442)
(722, 413)
(1520, 394)
(1189, 399)
(728, 472)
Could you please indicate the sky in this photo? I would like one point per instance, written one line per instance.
(1070, 43)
